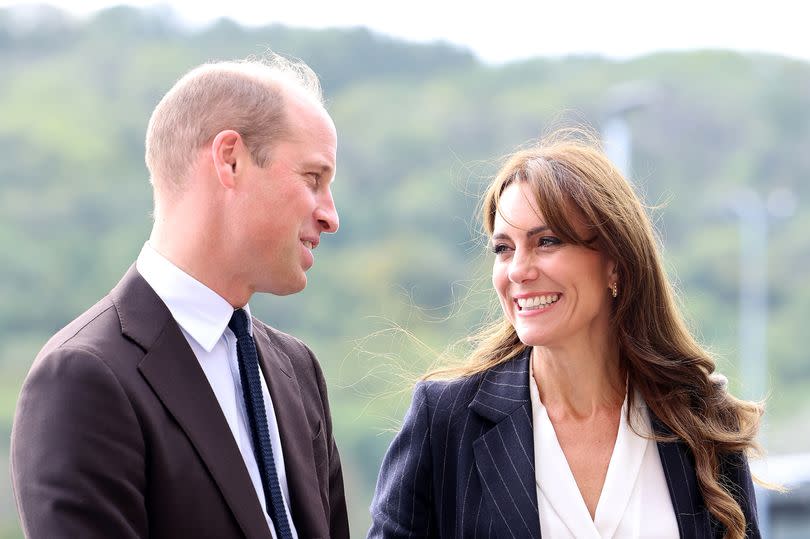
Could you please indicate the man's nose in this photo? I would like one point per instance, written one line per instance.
(327, 215)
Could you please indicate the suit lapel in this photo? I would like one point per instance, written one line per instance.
(679, 470)
(505, 461)
(172, 371)
(296, 437)
(504, 455)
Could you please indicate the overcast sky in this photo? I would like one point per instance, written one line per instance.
(504, 30)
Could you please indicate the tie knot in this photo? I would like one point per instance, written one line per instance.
(239, 323)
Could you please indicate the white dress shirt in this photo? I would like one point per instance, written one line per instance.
(203, 318)
(634, 502)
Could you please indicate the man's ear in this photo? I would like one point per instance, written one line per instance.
(227, 154)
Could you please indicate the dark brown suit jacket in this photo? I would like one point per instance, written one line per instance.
(118, 434)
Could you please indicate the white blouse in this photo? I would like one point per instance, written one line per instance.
(634, 502)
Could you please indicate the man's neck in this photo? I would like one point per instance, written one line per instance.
(201, 262)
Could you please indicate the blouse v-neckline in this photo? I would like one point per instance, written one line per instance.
(558, 490)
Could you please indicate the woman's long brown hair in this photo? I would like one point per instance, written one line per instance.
(573, 178)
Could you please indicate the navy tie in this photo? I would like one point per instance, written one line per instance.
(259, 431)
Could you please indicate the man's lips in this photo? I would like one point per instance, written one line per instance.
(310, 243)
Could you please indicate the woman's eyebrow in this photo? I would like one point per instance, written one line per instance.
(529, 233)
(537, 230)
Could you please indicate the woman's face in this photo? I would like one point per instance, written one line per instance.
(554, 294)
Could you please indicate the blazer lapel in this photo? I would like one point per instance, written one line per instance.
(296, 437)
(504, 455)
(172, 371)
(679, 470)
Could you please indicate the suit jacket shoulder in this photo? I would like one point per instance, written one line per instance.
(462, 464)
(73, 414)
(118, 433)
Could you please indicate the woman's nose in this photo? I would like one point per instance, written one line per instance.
(522, 268)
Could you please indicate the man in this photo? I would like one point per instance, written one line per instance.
(166, 411)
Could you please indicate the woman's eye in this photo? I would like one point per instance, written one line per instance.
(499, 248)
(548, 241)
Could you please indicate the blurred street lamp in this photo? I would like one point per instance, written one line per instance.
(753, 213)
(620, 101)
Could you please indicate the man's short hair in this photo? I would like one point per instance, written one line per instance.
(246, 96)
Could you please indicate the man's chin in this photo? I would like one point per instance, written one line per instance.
(287, 288)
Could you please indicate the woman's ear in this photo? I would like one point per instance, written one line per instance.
(613, 277)
(613, 271)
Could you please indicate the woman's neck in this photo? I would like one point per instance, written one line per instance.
(579, 383)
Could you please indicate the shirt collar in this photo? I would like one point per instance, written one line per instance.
(201, 312)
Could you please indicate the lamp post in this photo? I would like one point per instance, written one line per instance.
(753, 213)
(618, 141)
(620, 101)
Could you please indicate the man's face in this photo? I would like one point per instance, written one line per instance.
(285, 206)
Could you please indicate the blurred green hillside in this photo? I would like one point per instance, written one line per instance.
(421, 128)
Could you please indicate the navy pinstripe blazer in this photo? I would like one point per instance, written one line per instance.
(463, 466)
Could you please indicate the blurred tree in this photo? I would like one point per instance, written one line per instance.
(421, 130)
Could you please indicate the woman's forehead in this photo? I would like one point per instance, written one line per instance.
(519, 207)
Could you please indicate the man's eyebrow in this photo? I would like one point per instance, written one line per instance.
(319, 165)
(529, 233)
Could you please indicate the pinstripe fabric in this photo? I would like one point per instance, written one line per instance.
(462, 465)
(694, 520)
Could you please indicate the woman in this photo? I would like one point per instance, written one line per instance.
(589, 410)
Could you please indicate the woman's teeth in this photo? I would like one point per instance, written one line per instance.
(536, 302)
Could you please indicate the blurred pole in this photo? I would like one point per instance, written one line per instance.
(752, 212)
(619, 102)
(618, 142)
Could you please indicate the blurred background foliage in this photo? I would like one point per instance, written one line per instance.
(421, 129)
